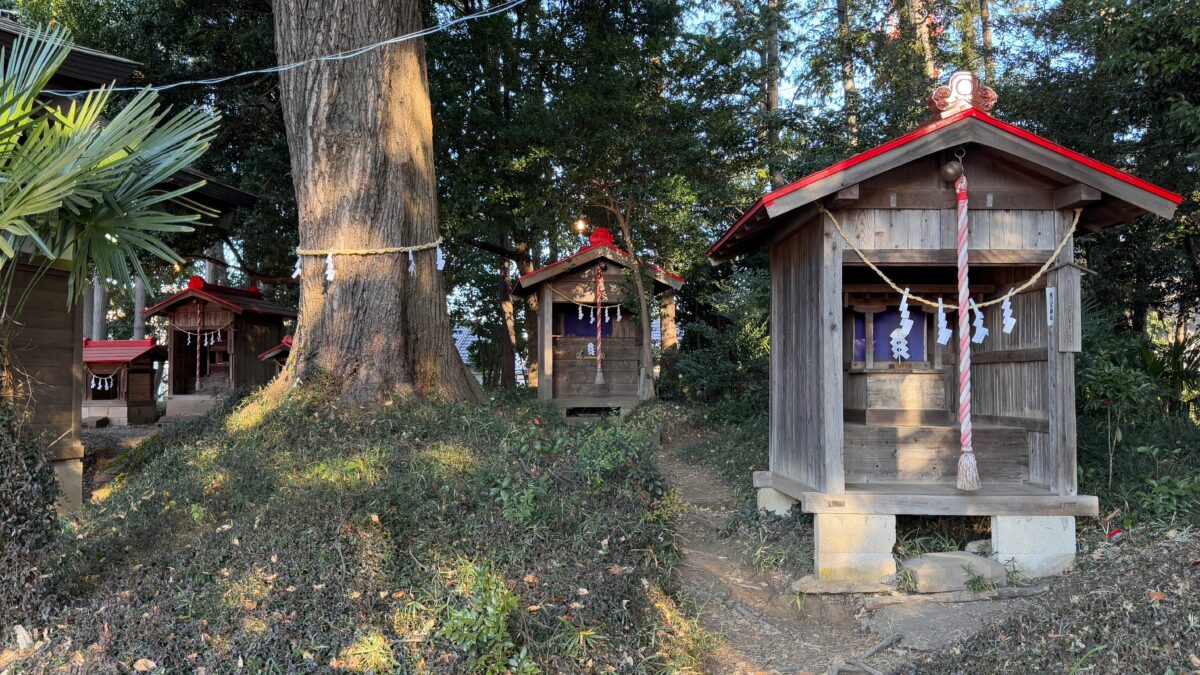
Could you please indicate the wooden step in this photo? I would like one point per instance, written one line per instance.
(930, 453)
(910, 417)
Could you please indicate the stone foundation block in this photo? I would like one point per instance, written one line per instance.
(1040, 546)
(774, 501)
(69, 473)
(941, 572)
(852, 548)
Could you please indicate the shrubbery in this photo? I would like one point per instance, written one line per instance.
(1138, 445)
(28, 522)
(727, 364)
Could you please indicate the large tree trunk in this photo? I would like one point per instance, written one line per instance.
(989, 58)
(139, 304)
(360, 134)
(846, 54)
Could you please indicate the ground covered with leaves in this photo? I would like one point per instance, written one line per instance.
(301, 535)
(1130, 607)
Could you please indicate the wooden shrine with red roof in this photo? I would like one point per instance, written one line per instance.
(868, 419)
(279, 353)
(215, 335)
(589, 346)
(120, 380)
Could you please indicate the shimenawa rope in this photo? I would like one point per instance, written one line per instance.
(933, 303)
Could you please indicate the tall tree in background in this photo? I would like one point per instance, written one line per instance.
(361, 138)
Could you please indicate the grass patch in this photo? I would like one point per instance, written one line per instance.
(304, 535)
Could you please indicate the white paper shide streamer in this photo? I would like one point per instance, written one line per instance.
(1006, 309)
(980, 332)
(900, 334)
(944, 333)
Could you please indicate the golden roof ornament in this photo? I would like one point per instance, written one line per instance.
(964, 90)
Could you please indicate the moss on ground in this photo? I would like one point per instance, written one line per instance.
(404, 537)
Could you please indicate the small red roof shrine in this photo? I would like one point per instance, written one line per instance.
(215, 337)
(120, 380)
(279, 351)
(864, 414)
(600, 245)
(581, 335)
(236, 300)
(120, 351)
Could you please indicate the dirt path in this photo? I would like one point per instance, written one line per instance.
(761, 626)
(102, 447)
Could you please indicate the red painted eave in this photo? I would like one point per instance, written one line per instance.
(119, 351)
(925, 130)
(585, 249)
(286, 345)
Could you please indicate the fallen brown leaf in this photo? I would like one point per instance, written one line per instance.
(144, 665)
(1157, 596)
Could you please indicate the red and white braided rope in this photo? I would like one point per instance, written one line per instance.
(968, 475)
(599, 324)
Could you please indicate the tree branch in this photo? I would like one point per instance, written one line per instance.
(520, 254)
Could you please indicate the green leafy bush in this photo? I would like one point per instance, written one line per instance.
(727, 362)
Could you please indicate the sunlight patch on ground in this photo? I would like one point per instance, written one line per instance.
(364, 468)
(450, 460)
(370, 653)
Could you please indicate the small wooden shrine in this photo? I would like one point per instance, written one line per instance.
(870, 417)
(589, 346)
(215, 336)
(120, 378)
(48, 348)
(278, 354)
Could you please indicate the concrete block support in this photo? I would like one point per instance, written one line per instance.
(853, 548)
(69, 473)
(774, 501)
(1040, 546)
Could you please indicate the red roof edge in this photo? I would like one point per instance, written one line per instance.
(286, 344)
(589, 247)
(924, 130)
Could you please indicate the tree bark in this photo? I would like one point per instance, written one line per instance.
(646, 373)
(86, 308)
(360, 134)
(99, 311)
(846, 54)
(989, 57)
(771, 91)
(139, 304)
(918, 15)
(670, 337)
(532, 352)
(215, 267)
(506, 338)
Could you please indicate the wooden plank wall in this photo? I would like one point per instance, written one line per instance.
(930, 229)
(1063, 342)
(49, 350)
(254, 334)
(806, 357)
